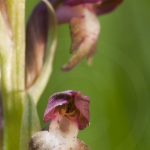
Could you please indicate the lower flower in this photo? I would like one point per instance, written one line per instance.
(68, 112)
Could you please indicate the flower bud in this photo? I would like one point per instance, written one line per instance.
(36, 39)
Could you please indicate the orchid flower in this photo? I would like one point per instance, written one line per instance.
(68, 112)
(81, 15)
(84, 26)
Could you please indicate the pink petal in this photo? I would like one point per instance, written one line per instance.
(65, 13)
(82, 103)
(55, 100)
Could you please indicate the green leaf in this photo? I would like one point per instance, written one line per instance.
(30, 122)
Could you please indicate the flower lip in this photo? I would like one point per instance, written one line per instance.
(71, 104)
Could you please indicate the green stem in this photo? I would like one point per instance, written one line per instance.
(12, 52)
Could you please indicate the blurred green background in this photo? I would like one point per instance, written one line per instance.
(118, 81)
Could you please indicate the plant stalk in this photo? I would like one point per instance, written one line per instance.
(12, 57)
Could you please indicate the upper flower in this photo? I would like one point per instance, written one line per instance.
(84, 27)
(70, 104)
